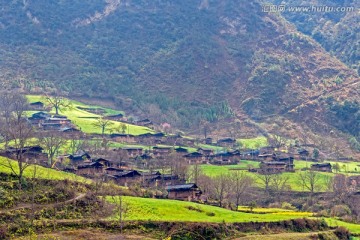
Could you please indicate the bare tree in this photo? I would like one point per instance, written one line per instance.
(195, 173)
(178, 165)
(76, 144)
(205, 126)
(240, 183)
(51, 143)
(310, 181)
(58, 102)
(103, 124)
(119, 157)
(265, 179)
(220, 187)
(121, 209)
(279, 183)
(15, 128)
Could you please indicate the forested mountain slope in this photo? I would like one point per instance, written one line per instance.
(181, 61)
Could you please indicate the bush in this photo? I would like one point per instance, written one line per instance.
(340, 210)
(3, 232)
(210, 214)
(342, 233)
(197, 209)
(288, 206)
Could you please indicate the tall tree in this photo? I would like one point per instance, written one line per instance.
(103, 124)
(239, 183)
(15, 128)
(51, 143)
(265, 178)
(58, 102)
(220, 188)
(310, 181)
(279, 183)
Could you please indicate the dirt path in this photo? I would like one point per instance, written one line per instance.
(41, 206)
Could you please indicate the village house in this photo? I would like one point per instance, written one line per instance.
(113, 170)
(321, 167)
(226, 142)
(51, 126)
(161, 151)
(128, 178)
(149, 178)
(91, 169)
(172, 139)
(288, 160)
(104, 162)
(250, 155)
(58, 120)
(122, 137)
(70, 131)
(266, 150)
(163, 180)
(185, 192)
(115, 117)
(205, 151)
(36, 106)
(133, 152)
(144, 122)
(181, 150)
(303, 154)
(225, 158)
(29, 154)
(266, 157)
(151, 138)
(37, 118)
(79, 158)
(195, 158)
(272, 167)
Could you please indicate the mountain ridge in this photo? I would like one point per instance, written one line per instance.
(177, 62)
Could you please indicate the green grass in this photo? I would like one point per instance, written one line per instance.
(354, 228)
(214, 148)
(293, 182)
(253, 143)
(264, 210)
(84, 120)
(41, 172)
(172, 210)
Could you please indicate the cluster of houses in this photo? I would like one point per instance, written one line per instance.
(272, 161)
(120, 173)
(47, 122)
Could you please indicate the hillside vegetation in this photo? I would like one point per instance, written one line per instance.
(179, 62)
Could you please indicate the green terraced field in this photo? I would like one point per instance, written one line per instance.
(253, 143)
(295, 184)
(85, 120)
(41, 172)
(172, 210)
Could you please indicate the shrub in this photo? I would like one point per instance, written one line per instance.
(3, 232)
(342, 233)
(340, 210)
(288, 206)
(197, 209)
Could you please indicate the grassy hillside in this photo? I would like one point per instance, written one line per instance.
(294, 178)
(41, 172)
(85, 120)
(171, 210)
